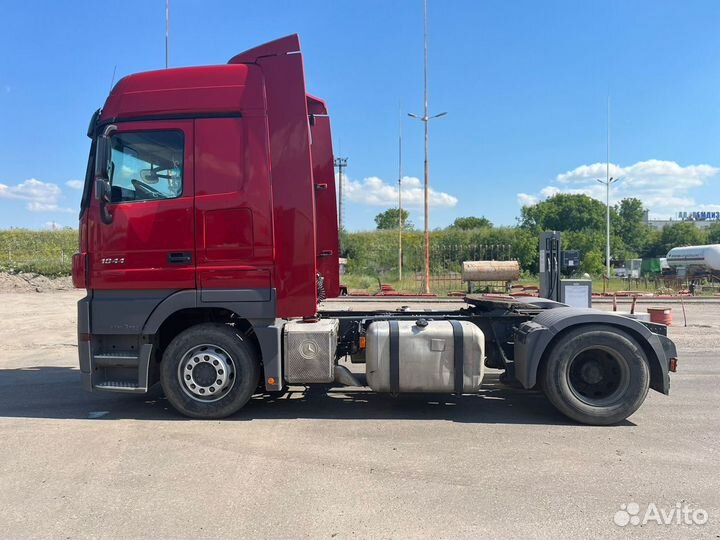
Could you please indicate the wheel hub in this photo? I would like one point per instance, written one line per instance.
(591, 373)
(206, 372)
(597, 376)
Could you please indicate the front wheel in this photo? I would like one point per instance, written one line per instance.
(597, 375)
(209, 371)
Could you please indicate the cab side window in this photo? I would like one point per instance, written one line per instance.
(146, 165)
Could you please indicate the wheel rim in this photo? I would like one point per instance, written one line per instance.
(206, 373)
(598, 376)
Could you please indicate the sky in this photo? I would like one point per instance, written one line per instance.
(525, 85)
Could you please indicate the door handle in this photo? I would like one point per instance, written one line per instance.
(179, 258)
(325, 253)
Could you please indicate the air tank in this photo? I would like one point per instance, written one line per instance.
(700, 257)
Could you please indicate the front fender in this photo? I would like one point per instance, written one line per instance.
(534, 338)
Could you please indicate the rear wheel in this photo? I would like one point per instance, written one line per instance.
(596, 375)
(209, 371)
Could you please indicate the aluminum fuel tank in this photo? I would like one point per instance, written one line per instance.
(424, 356)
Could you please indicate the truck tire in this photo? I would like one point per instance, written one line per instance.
(596, 374)
(209, 371)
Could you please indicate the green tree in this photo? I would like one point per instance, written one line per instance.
(585, 241)
(593, 262)
(682, 233)
(653, 247)
(390, 219)
(713, 234)
(582, 220)
(564, 212)
(630, 226)
(525, 248)
(469, 223)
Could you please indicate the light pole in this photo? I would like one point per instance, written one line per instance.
(426, 119)
(607, 184)
(400, 214)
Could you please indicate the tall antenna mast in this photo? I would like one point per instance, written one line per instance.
(425, 118)
(400, 210)
(609, 180)
(427, 165)
(607, 156)
(167, 33)
(607, 195)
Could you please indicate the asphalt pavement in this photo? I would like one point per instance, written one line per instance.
(340, 463)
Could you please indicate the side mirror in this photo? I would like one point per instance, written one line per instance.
(103, 194)
(103, 171)
(102, 189)
(102, 158)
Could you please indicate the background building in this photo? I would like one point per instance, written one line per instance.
(702, 220)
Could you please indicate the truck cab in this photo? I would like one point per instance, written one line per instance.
(217, 177)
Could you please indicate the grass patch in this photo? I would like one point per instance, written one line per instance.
(48, 253)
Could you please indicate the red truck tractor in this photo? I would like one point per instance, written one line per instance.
(208, 233)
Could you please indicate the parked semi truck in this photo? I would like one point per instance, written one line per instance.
(208, 235)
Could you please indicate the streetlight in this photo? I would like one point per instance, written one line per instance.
(426, 119)
(607, 183)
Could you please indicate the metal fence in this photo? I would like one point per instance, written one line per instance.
(59, 256)
(443, 258)
(382, 265)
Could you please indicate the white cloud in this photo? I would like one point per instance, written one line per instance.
(583, 173)
(525, 199)
(375, 191)
(40, 196)
(75, 184)
(35, 206)
(663, 186)
(31, 189)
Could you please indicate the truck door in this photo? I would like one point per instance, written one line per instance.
(233, 210)
(149, 244)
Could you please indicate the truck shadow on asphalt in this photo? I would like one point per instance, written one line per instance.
(56, 393)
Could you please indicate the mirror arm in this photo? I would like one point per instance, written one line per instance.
(105, 216)
(109, 129)
(103, 195)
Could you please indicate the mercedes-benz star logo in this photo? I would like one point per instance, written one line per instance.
(309, 349)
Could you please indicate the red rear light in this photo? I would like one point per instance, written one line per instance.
(79, 270)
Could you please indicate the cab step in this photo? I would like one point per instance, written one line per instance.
(117, 359)
(122, 370)
(120, 386)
